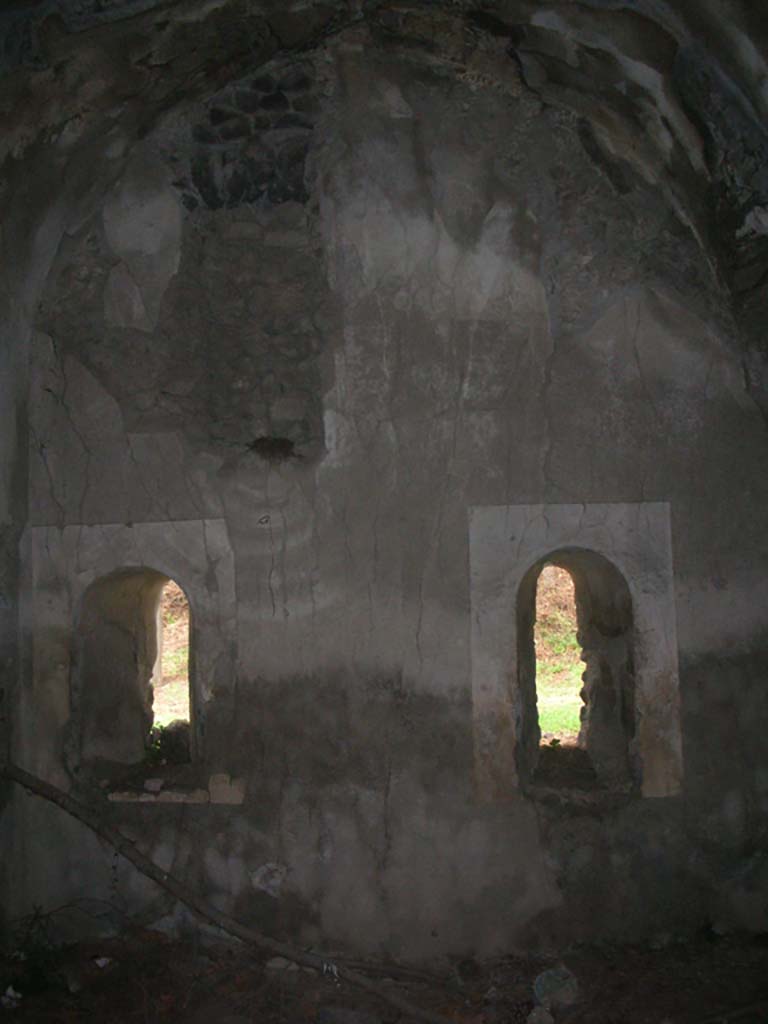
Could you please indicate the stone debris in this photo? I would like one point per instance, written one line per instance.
(556, 987)
(225, 790)
(281, 963)
(540, 1015)
(10, 999)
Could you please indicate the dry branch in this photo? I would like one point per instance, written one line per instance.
(90, 818)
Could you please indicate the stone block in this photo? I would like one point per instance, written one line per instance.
(295, 80)
(264, 83)
(556, 987)
(248, 101)
(225, 790)
(183, 796)
(275, 101)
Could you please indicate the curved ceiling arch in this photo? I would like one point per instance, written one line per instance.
(675, 94)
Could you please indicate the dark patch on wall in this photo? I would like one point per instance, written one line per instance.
(628, 867)
(725, 690)
(19, 46)
(273, 449)
(235, 355)
(10, 537)
(333, 729)
(256, 297)
(83, 14)
(281, 917)
(487, 22)
(736, 144)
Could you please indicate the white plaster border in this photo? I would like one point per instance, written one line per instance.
(504, 542)
(60, 563)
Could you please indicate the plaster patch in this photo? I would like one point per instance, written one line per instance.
(270, 878)
(123, 304)
(143, 225)
(755, 223)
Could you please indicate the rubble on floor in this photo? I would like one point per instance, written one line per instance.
(145, 976)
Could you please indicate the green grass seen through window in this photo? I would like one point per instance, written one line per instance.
(558, 657)
(171, 699)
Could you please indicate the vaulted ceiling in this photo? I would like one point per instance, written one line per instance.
(676, 93)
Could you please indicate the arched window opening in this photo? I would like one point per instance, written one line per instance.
(130, 696)
(576, 674)
(559, 664)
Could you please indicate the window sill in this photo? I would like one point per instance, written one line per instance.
(565, 770)
(596, 798)
(163, 796)
(220, 788)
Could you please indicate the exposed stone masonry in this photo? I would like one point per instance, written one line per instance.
(253, 142)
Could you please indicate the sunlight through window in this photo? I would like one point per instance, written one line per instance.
(171, 700)
(559, 666)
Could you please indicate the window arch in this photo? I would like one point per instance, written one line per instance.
(117, 665)
(628, 592)
(604, 618)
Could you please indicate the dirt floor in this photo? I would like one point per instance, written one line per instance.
(144, 978)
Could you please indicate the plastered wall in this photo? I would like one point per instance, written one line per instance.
(456, 312)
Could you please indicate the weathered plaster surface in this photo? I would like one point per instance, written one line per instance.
(443, 286)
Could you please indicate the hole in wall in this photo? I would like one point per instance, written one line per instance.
(274, 449)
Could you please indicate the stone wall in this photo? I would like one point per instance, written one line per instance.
(332, 306)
